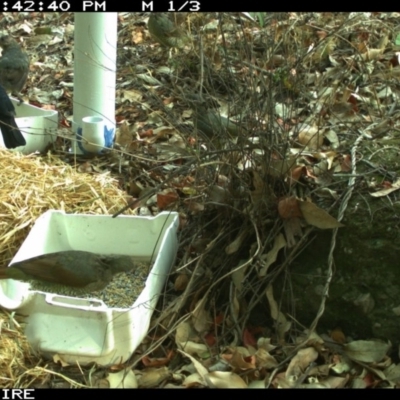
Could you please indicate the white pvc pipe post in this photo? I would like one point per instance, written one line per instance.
(95, 61)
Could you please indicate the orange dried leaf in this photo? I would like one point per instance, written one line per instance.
(297, 172)
(242, 362)
(218, 319)
(194, 206)
(338, 336)
(165, 200)
(181, 282)
(147, 133)
(289, 208)
(154, 362)
(346, 163)
(210, 339)
(249, 339)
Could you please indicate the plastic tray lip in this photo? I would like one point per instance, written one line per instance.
(18, 105)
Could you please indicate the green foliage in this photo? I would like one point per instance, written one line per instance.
(260, 16)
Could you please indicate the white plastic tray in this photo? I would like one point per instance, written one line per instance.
(86, 330)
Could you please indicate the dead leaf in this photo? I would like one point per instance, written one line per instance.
(265, 360)
(332, 382)
(193, 380)
(238, 275)
(265, 343)
(281, 382)
(184, 332)
(311, 138)
(341, 365)
(338, 336)
(225, 380)
(282, 325)
(201, 370)
(333, 138)
(296, 173)
(133, 96)
(167, 198)
(58, 359)
(367, 350)
(181, 282)
(201, 318)
(217, 194)
(196, 349)
(234, 246)
(194, 206)
(124, 136)
(384, 192)
(392, 373)
(292, 229)
(124, 379)
(240, 359)
(152, 377)
(210, 339)
(269, 258)
(199, 245)
(260, 384)
(372, 54)
(157, 362)
(248, 338)
(235, 309)
(288, 207)
(318, 217)
(300, 363)
(164, 132)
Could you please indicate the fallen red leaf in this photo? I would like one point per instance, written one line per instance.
(157, 362)
(248, 338)
(289, 208)
(164, 200)
(147, 133)
(218, 319)
(210, 339)
(345, 164)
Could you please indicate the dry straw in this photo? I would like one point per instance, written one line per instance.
(31, 185)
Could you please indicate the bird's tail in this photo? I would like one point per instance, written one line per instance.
(12, 136)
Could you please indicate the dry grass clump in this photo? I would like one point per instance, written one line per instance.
(31, 185)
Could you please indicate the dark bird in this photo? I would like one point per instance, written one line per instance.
(72, 271)
(12, 136)
(212, 124)
(164, 30)
(14, 66)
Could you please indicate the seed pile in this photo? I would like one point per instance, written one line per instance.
(121, 292)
